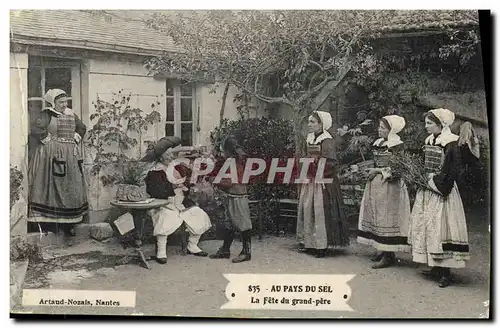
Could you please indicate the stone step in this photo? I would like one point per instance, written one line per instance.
(50, 238)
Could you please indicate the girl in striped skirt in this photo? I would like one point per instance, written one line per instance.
(385, 207)
(438, 232)
(57, 189)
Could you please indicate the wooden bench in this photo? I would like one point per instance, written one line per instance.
(287, 210)
(352, 193)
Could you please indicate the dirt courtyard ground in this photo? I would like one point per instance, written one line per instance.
(193, 286)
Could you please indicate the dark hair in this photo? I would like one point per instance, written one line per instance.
(231, 145)
(316, 116)
(60, 96)
(433, 118)
(386, 123)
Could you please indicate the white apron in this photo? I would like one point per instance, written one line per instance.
(169, 218)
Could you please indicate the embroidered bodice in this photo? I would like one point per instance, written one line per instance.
(313, 150)
(381, 157)
(434, 158)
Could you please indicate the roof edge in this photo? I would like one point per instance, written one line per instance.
(88, 45)
(387, 34)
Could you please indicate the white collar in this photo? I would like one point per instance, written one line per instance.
(67, 111)
(390, 142)
(443, 139)
(53, 111)
(320, 138)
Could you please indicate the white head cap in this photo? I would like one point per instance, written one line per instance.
(326, 119)
(397, 123)
(52, 94)
(445, 116)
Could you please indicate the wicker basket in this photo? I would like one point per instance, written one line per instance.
(366, 165)
(131, 193)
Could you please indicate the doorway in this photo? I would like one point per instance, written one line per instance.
(45, 73)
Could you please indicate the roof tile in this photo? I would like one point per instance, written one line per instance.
(125, 28)
(75, 25)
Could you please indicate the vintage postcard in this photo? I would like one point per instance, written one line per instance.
(250, 164)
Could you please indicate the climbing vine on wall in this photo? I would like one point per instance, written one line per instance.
(404, 71)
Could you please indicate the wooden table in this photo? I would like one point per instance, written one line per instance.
(139, 212)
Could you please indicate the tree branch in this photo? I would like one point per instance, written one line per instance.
(223, 106)
(271, 100)
(312, 80)
(315, 89)
(323, 50)
(328, 79)
(328, 89)
(317, 64)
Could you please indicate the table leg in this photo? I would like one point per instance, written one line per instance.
(140, 217)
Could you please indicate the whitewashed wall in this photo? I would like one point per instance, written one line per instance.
(103, 78)
(19, 136)
(108, 77)
(210, 110)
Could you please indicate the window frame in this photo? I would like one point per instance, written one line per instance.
(44, 63)
(177, 103)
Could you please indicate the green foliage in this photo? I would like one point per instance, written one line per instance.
(20, 250)
(109, 138)
(244, 105)
(400, 73)
(357, 143)
(279, 56)
(462, 44)
(410, 168)
(265, 139)
(16, 180)
(131, 172)
(260, 137)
